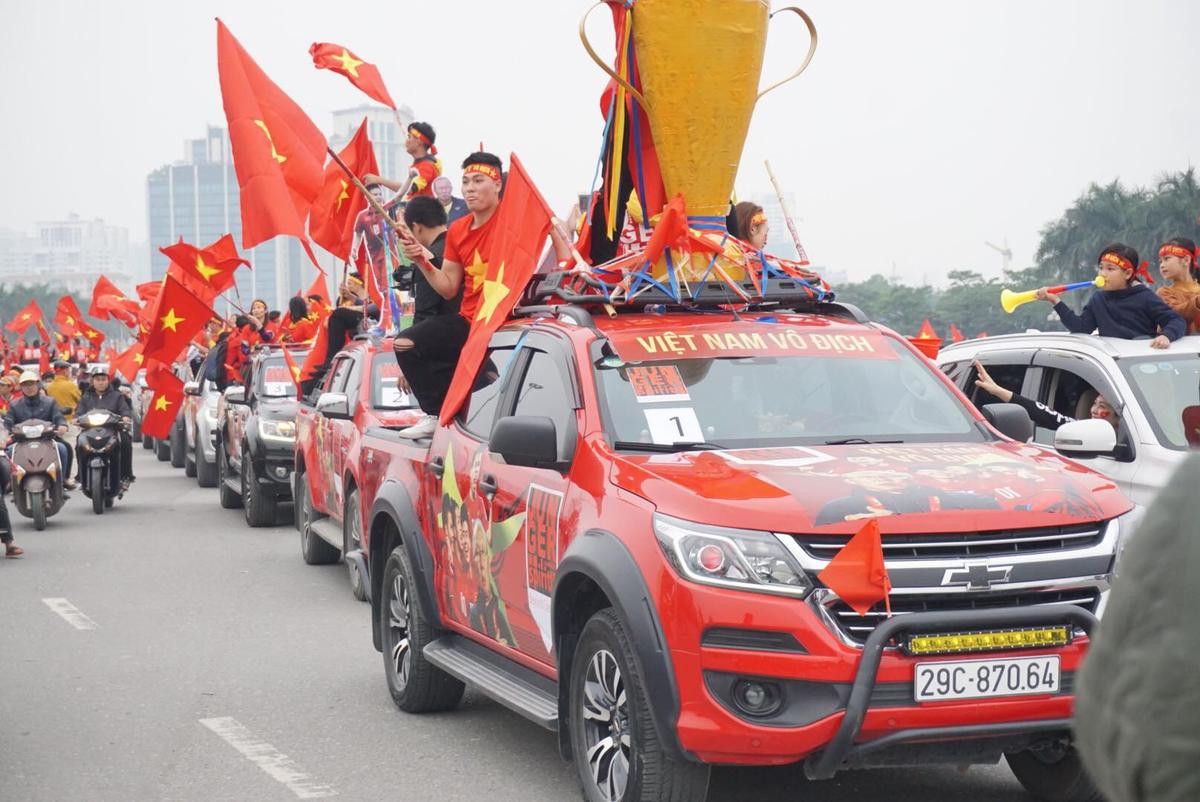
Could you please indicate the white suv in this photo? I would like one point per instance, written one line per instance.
(1155, 392)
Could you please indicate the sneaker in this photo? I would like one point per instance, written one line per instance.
(425, 427)
(13, 551)
(70, 484)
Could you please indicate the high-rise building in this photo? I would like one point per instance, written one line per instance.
(196, 198)
(68, 253)
(386, 136)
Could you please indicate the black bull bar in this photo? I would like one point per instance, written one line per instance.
(824, 764)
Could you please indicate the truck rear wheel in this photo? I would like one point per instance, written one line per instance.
(1054, 773)
(618, 751)
(162, 449)
(416, 685)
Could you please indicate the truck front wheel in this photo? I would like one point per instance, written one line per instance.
(618, 751)
(1053, 773)
(416, 685)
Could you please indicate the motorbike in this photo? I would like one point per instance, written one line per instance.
(100, 451)
(37, 473)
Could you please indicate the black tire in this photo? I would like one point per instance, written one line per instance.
(1054, 774)
(206, 474)
(108, 502)
(351, 541)
(147, 442)
(96, 484)
(162, 450)
(416, 685)
(136, 431)
(260, 508)
(178, 447)
(230, 500)
(605, 663)
(37, 510)
(312, 547)
(189, 461)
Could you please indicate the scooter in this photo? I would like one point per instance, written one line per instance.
(100, 455)
(37, 472)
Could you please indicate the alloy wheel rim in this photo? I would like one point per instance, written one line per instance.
(606, 735)
(399, 613)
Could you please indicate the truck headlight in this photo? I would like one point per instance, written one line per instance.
(277, 429)
(742, 559)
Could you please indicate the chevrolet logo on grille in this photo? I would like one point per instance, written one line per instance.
(976, 576)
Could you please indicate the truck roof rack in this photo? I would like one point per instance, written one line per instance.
(777, 294)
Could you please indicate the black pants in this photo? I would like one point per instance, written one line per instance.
(342, 325)
(5, 483)
(429, 365)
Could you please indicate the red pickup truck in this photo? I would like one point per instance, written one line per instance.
(621, 537)
(359, 392)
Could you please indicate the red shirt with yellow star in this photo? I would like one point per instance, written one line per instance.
(471, 248)
(428, 168)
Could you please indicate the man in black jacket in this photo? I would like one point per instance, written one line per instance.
(103, 396)
(34, 405)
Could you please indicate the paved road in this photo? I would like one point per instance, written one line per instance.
(184, 656)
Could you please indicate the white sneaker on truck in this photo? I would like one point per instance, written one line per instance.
(422, 428)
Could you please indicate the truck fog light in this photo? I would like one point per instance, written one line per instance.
(757, 698)
(281, 471)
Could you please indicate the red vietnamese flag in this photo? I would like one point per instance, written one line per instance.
(178, 316)
(523, 221)
(293, 370)
(316, 354)
(337, 207)
(857, 573)
(149, 290)
(93, 336)
(68, 318)
(108, 301)
(29, 314)
(165, 404)
(278, 152)
(319, 287)
(926, 332)
(362, 74)
(129, 361)
(956, 336)
(206, 272)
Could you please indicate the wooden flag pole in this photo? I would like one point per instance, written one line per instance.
(802, 255)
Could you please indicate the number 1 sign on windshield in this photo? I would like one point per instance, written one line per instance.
(673, 425)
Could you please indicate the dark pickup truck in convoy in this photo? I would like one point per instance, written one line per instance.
(622, 534)
(257, 437)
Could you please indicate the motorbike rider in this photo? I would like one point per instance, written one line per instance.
(11, 549)
(63, 389)
(34, 405)
(103, 395)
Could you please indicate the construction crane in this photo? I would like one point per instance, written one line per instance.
(1005, 254)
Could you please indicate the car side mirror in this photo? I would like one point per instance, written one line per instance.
(191, 388)
(1086, 438)
(235, 395)
(334, 406)
(526, 441)
(1011, 420)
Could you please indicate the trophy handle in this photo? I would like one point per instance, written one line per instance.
(602, 65)
(812, 48)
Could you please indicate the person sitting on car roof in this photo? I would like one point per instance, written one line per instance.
(1042, 415)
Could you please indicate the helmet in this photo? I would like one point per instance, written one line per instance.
(60, 364)
(98, 369)
(29, 376)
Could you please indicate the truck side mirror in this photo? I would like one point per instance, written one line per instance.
(235, 395)
(527, 441)
(1085, 438)
(334, 406)
(1011, 420)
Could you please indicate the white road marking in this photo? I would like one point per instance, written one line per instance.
(70, 613)
(281, 767)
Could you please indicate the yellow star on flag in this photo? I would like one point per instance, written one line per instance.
(494, 291)
(161, 404)
(204, 270)
(344, 196)
(349, 63)
(138, 358)
(274, 153)
(92, 334)
(476, 270)
(170, 321)
(26, 316)
(70, 320)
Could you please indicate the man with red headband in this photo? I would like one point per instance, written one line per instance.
(1125, 307)
(425, 166)
(428, 351)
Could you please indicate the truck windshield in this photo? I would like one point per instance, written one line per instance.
(1168, 390)
(274, 381)
(749, 401)
(385, 394)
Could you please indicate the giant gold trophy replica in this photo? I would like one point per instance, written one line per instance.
(693, 69)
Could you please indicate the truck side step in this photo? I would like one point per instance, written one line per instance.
(525, 692)
(234, 484)
(328, 530)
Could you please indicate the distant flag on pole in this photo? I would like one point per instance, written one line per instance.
(364, 75)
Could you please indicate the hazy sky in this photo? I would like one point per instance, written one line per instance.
(920, 130)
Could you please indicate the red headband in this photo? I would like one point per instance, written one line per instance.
(758, 219)
(1180, 251)
(1140, 271)
(483, 169)
(424, 140)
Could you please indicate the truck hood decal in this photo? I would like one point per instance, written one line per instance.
(911, 488)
